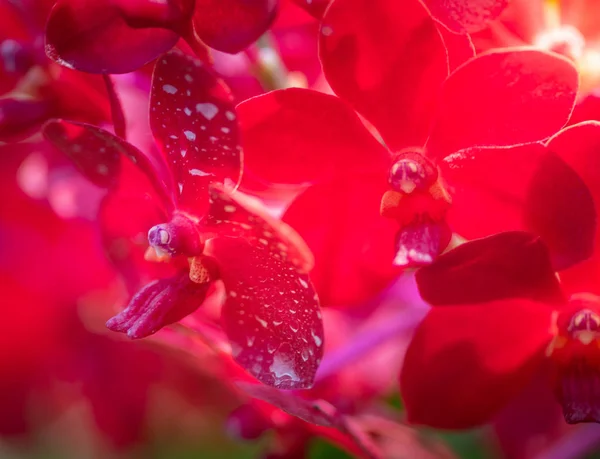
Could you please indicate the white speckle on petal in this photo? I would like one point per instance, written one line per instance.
(225, 130)
(250, 340)
(303, 283)
(230, 115)
(169, 89)
(261, 321)
(208, 110)
(187, 111)
(229, 208)
(199, 173)
(183, 153)
(190, 135)
(102, 169)
(188, 77)
(318, 340)
(180, 187)
(327, 31)
(282, 367)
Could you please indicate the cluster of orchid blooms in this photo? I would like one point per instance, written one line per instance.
(452, 141)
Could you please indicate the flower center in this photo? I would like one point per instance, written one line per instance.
(178, 237)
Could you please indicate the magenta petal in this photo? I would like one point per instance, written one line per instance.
(93, 36)
(193, 119)
(271, 315)
(464, 16)
(159, 304)
(96, 153)
(19, 118)
(241, 216)
(232, 25)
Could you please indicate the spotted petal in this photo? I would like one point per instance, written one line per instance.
(388, 60)
(192, 117)
(271, 314)
(239, 215)
(466, 16)
(97, 154)
(503, 98)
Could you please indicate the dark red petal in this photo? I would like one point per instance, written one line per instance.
(561, 209)
(19, 118)
(241, 216)
(116, 109)
(96, 153)
(315, 7)
(489, 181)
(577, 146)
(460, 355)
(170, 14)
(97, 160)
(388, 60)
(232, 25)
(353, 245)
(93, 36)
(159, 304)
(271, 314)
(298, 136)
(193, 119)
(523, 187)
(506, 265)
(503, 98)
(466, 16)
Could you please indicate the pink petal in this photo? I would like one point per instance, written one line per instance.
(96, 153)
(271, 314)
(353, 245)
(232, 25)
(93, 36)
(279, 150)
(193, 119)
(464, 16)
(503, 98)
(159, 304)
(238, 215)
(507, 265)
(20, 118)
(388, 60)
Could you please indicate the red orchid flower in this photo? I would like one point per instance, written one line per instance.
(567, 27)
(271, 312)
(500, 315)
(390, 62)
(34, 88)
(119, 36)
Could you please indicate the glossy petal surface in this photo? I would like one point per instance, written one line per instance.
(193, 119)
(578, 147)
(388, 60)
(506, 265)
(93, 36)
(503, 98)
(466, 16)
(238, 215)
(97, 154)
(352, 244)
(159, 304)
(232, 25)
(299, 136)
(460, 355)
(271, 314)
